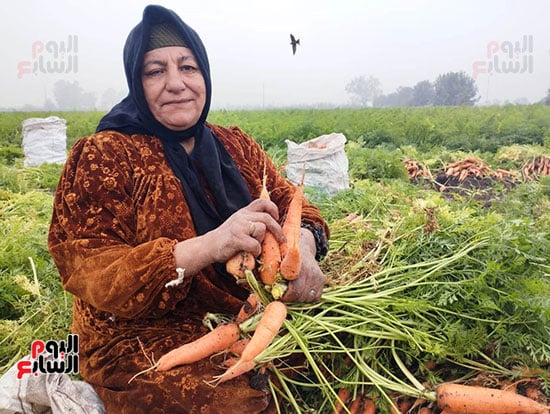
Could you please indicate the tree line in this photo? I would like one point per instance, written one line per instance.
(449, 89)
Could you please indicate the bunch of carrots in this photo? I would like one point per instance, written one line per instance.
(278, 262)
(226, 338)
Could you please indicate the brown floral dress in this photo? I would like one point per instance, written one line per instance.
(118, 212)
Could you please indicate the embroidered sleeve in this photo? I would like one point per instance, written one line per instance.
(95, 237)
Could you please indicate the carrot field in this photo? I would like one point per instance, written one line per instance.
(438, 268)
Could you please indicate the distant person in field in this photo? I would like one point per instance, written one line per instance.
(147, 212)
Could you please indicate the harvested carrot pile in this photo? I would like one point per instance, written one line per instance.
(539, 166)
(477, 168)
(415, 169)
(467, 167)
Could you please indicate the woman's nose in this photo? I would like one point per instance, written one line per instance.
(174, 80)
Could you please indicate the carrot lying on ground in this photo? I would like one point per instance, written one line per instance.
(217, 340)
(237, 265)
(402, 406)
(343, 397)
(290, 251)
(368, 406)
(360, 405)
(270, 258)
(269, 325)
(356, 405)
(458, 399)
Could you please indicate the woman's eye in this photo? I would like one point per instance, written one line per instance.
(154, 72)
(188, 69)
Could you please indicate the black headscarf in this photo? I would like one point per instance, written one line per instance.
(133, 116)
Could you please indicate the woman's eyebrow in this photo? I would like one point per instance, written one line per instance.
(154, 62)
(181, 59)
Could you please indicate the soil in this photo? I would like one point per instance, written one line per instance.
(485, 190)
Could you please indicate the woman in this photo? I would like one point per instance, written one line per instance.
(147, 212)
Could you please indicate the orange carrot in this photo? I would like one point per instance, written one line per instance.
(293, 219)
(404, 405)
(480, 400)
(271, 321)
(356, 405)
(238, 368)
(249, 307)
(237, 265)
(291, 263)
(290, 251)
(425, 410)
(270, 257)
(238, 347)
(217, 340)
(229, 362)
(368, 406)
(343, 397)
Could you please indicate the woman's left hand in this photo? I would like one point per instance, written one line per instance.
(308, 287)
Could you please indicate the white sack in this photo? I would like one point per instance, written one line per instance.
(44, 140)
(46, 394)
(325, 162)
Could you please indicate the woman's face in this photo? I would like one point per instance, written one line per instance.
(174, 87)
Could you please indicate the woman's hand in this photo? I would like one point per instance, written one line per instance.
(308, 287)
(245, 230)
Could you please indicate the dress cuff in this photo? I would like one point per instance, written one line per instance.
(321, 241)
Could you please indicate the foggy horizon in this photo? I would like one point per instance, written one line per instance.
(504, 46)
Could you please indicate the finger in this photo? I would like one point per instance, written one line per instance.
(275, 228)
(252, 229)
(264, 222)
(264, 206)
(251, 245)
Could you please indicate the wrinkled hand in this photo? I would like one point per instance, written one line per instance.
(245, 230)
(308, 287)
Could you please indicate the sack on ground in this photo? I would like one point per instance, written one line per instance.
(44, 140)
(325, 162)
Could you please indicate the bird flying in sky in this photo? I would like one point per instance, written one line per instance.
(294, 42)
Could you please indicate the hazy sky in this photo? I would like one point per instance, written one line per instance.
(400, 42)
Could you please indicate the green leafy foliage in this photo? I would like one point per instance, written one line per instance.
(494, 301)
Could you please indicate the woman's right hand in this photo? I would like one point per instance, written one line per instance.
(244, 230)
